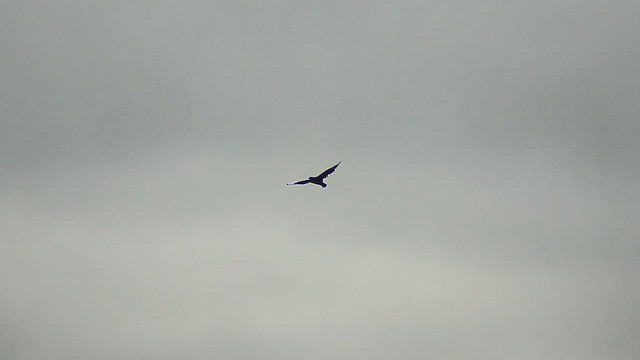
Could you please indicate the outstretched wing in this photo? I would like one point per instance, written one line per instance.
(301, 182)
(329, 171)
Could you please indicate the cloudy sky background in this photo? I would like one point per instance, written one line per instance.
(486, 208)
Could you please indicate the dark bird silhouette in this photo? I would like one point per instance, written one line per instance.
(318, 179)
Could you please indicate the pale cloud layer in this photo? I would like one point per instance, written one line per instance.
(486, 206)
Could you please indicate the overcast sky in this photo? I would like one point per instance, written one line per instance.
(487, 205)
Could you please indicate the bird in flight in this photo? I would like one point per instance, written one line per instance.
(318, 179)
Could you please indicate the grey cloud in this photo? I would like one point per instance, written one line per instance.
(486, 206)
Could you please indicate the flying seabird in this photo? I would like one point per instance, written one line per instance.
(318, 179)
